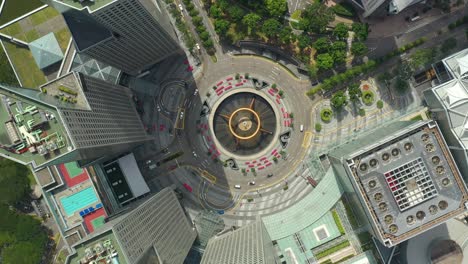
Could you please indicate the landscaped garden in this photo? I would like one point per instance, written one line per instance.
(326, 114)
(30, 29)
(7, 75)
(16, 8)
(367, 97)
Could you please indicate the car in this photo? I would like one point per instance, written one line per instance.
(237, 186)
(252, 183)
(187, 187)
(148, 162)
(197, 46)
(195, 154)
(181, 115)
(269, 175)
(302, 128)
(181, 8)
(196, 92)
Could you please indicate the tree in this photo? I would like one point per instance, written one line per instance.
(14, 183)
(361, 30)
(338, 51)
(204, 35)
(322, 45)
(276, 8)
(448, 45)
(208, 43)
(197, 20)
(404, 71)
(251, 20)
(316, 17)
(324, 61)
(341, 31)
(236, 13)
(285, 35)
(271, 27)
(358, 48)
(401, 85)
(304, 41)
(312, 69)
(354, 92)
(215, 11)
(221, 26)
(423, 57)
(22, 238)
(338, 100)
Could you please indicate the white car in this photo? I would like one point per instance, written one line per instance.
(181, 8)
(237, 186)
(252, 183)
(194, 154)
(197, 46)
(196, 92)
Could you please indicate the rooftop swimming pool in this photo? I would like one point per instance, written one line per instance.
(79, 200)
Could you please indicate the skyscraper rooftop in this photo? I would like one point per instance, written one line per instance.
(408, 182)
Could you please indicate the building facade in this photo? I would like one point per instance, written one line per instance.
(130, 35)
(249, 244)
(156, 231)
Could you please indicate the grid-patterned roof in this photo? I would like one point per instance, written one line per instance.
(91, 67)
(408, 181)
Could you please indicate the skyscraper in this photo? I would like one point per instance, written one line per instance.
(74, 117)
(249, 244)
(156, 231)
(130, 35)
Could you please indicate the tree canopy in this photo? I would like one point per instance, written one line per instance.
(276, 8)
(338, 100)
(338, 51)
(316, 17)
(322, 45)
(358, 48)
(221, 26)
(423, 57)
(325, 61)
(14, 183)
(341, 31)
(304, 41)
(251, 20)
(236, 12)
(361, 30)
(271, 27)
(22, 239)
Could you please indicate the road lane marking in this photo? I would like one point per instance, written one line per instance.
(307, 138)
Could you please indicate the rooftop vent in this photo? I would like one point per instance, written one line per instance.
(388, 219)
(433, 209)
(443, 205)
(373, 163)
(378, 197)
(393, 229)
(395, 152)
(363, 167)
(383, 206)
(445, 182)
(420, 215)
(385, 156)
(440, 169)
(435, 160)
(372, 183)
(410, 219)
(425, 137)
(430, 147)
(408, 146)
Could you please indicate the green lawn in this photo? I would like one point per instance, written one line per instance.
(31, 35)
(63, 37)
(338, 222)
(332, 250)
(16, 8)
(6, 72)
(417, 118)
(28, 72)
(44, 15)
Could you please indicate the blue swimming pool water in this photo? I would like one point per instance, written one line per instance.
(78, 201)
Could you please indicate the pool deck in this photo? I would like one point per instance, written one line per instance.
(74, 219)
(72, 181)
